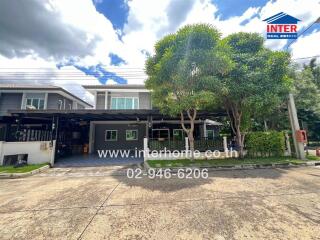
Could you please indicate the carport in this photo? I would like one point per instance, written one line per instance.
(76, 132)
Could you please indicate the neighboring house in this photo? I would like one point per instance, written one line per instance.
(37, 97)
(121, 118)
(33, 97)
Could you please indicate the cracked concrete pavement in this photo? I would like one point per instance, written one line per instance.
(102, 203)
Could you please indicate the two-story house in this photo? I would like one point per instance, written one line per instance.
(129, 132)
(37, 97)
(14, 97)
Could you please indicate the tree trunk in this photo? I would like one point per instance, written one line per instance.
(235, 118)
(240, 141)
(191, 142)
(189, 131)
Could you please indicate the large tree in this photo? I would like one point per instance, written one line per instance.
(178, 70)
(256, 84)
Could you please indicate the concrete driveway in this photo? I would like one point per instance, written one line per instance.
(102, 203)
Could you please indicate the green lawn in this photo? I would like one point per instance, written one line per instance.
(24, 169)
(313, 158)
(222, 162)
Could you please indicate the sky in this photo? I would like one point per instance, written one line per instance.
(79, 42)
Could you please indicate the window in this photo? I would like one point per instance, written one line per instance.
(131, 135)
(124, 103)
(111, 135)
(178, 134)
(37, 103)
(210, 134)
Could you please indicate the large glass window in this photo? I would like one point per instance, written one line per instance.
(131, 135)
(36, 103)
(111, 135)
(119, 103)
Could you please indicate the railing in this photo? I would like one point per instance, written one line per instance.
(204, 144)
(27, 135)
(171, 145)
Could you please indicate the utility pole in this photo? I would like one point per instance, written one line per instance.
(299, 146)
(294, 122)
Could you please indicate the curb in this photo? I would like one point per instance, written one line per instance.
(242, 167)
(22, 175)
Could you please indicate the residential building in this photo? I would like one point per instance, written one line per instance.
(121, 117)
(37, 97)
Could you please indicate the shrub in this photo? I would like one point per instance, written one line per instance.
(265, 144)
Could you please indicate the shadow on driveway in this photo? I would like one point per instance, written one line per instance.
(92, 160)
(174, 183)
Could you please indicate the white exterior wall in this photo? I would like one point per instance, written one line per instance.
(38, 151)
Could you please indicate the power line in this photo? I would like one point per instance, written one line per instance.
(316, 56)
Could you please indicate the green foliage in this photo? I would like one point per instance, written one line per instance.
(307, 97)
(265, 144)
(177, 73)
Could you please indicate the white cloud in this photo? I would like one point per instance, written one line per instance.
(30, 70)
(147, 22)
(305, 46)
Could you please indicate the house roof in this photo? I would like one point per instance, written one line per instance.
(281, 18)
(40, 87)
(115, 86)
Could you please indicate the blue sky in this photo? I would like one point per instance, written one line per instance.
(117, 11)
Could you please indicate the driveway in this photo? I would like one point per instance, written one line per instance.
(102, 203)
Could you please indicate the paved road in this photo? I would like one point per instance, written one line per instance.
(101, 203)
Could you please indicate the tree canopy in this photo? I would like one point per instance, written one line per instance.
(256, 84)
(194, 68)
(177, 72)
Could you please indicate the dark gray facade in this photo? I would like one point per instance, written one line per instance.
(9, 101)
(121, 143)
(55, 100)
(13, 101)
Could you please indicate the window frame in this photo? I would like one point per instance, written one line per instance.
(180, 130)
(110, 140)
(133, 101)
(131, 130)
(39, 101)
(207, 136)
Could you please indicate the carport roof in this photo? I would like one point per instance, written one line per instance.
(96, 115)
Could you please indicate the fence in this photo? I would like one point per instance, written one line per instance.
(27, 135)
(170, 145)
(202, 144)
(205, 144)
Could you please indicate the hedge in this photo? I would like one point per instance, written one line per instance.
(265, 144)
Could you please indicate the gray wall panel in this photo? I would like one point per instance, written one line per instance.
(53, 101)
(100, 104)
(9, 101)
(144, 100)
(121, 143)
